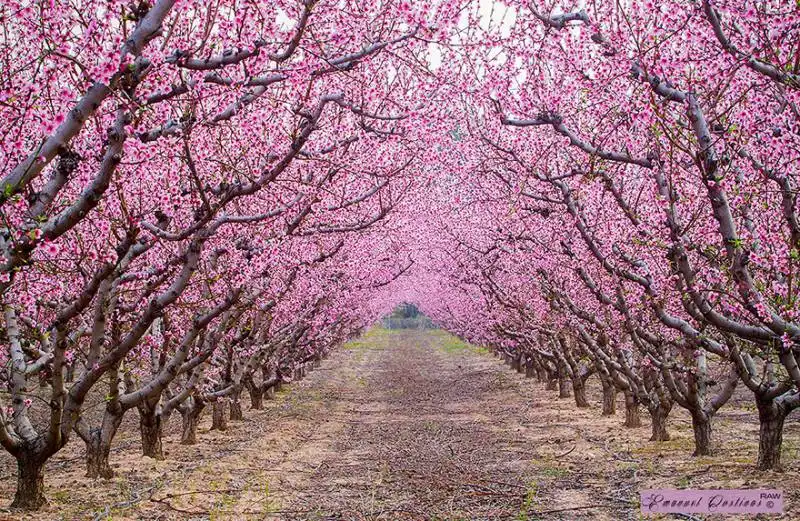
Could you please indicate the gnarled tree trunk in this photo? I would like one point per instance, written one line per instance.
(98, 446)
(563, 386)
(609, 398)
(150, 431)
(256, 396)
(218, 420)
(771, 416)
(658, 417)
(236, 406)
(579, 390)
(530, 369)
(30, 483)
(632, 418)
(97, 465)
(541, 375)
(191, 417)
(701, 425)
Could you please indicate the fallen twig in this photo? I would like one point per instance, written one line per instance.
(136, 497)
(566, 453)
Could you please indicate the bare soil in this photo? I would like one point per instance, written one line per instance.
(412, 425)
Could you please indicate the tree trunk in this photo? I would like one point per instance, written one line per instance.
(563, 387)
(190, 417)
(236, 407)
(256, 396)
(632, 418)
(701, 425)
(97, 453)
(579, 390)
(218, 420)
(530, 370)
(98, 446)
(658, 417)
(609, 398)
(771, 416)
(150, 430)
(30, 483)
(552, 384)
(515, 363)
(541, 375)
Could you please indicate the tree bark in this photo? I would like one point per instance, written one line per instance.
(30, 483)
(530, 370)
(218, 420)
(609, 398)
(150, 429)
(563, 387)
(771, 416)
(97, 453)
(632, 418)
(236, 407)
(579, 390)
(256, 396)
(541, 375)
(98, 446)
(701, 425)
(516, 365)
(190, 417)
(658, 417)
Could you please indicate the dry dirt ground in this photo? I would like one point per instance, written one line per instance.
(411, 425)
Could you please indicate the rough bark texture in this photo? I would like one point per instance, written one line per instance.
(236, 408)
(632, 418)
(563, 387)
(30, 484)
(515, 363)
(770, 435)
(658, 417)
(701, 425)
(256, 396)
(97, 453)
(530, 371)
(190, 417)
(218, 420)
(542, 375)
(579, 390)
(150, 430)
(98, 445)
(609, 399)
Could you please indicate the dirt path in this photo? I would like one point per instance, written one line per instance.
(424, 433)
(405, 425)
(409, 425)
